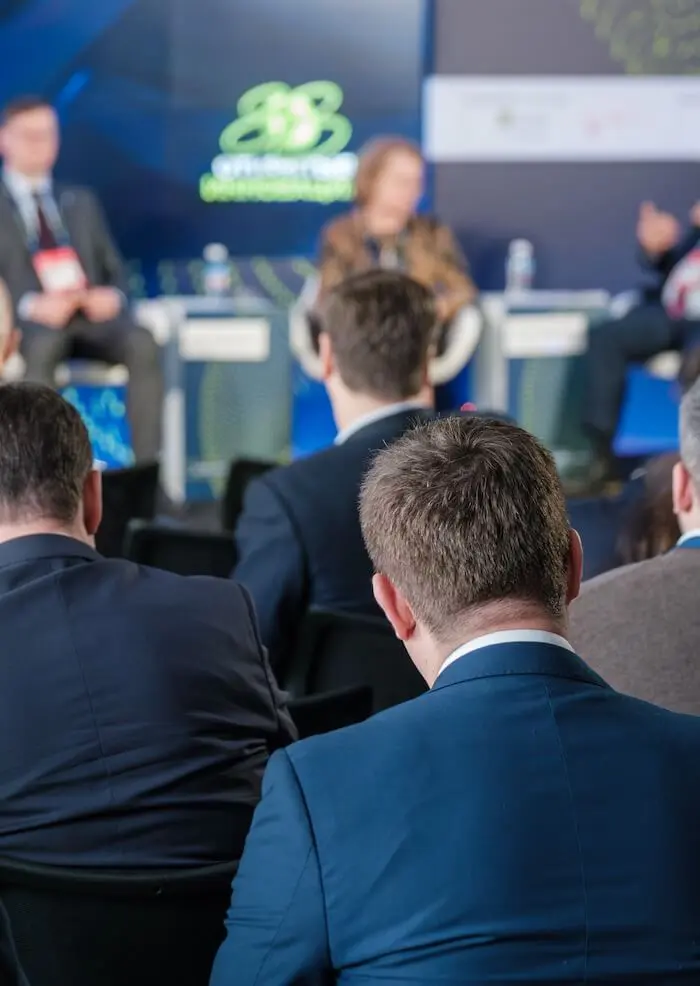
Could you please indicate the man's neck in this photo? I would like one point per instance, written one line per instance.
(349, 409)
(498, 618)
(38, 180)
(689, 523)
(10, 532)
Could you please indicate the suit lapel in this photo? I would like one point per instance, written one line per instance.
(11, 216)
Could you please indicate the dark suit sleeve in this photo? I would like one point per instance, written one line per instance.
(271, 566)
(286, 730)
(276, 925)
(108, 258)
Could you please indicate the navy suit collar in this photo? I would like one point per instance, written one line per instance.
(35, 546)
(523, 658)
(388, 427)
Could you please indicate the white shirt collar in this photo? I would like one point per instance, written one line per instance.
(507, 637)
(21, 186)
(688, 536)
(378, 415)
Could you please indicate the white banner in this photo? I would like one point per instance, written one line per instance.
(562, 118)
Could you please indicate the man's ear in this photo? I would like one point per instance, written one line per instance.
(395, 607)
(325, 354)
(92, 502)
(575, 566)
(683, 491)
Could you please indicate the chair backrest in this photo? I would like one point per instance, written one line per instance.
(181, 551)
(241, 472)
(72, 927)
(127, 494)
(316, 714)
(340, 650)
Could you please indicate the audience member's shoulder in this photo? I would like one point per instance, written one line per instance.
(637, 574)
(387, 732)
(188, 589)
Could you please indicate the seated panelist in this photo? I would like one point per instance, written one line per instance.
(384, 230)
(667, 318)
(64, 272)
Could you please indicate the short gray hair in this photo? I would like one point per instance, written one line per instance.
(689, 429)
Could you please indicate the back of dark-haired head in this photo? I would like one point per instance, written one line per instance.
(381, 325)
(466, 511)
(650, 527)
(45, 455)
(23, 104)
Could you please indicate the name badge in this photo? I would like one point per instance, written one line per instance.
(59, 270)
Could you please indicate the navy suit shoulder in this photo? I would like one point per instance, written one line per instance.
(299, 541)
(162, 706)
(521, 815)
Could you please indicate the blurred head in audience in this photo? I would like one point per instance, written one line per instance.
(686, 474)
(389, 184)
(9, 336)
(690, 369)
(29, 139)
(651, 527)
(465, 522)
(47, 481)
(374, 344)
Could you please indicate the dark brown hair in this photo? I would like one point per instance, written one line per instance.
(372, 160)
(651, 527)
(380, 325)
(45, 455)
(24, 104)
(465, 511)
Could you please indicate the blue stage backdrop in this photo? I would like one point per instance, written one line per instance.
(568, 167)
(281, 92)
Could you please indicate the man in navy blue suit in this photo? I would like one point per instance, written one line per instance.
(137, 708)
(521, 821)
(298, 538)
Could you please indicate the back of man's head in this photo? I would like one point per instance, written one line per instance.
(380, 326)
(686, 475)
(45, 463)
(465, 520)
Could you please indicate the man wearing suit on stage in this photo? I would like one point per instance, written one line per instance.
(640, 625)
(137, 707)
(298, 538)
(519, 822)
(668, 317)
(65, 274)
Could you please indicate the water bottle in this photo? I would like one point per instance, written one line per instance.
(216, 275)
(520, 267)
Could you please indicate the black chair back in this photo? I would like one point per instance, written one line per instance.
(241, 472)
(181, 551)
(127, 494)
(336, 651)
(316, 714)
(73, 927)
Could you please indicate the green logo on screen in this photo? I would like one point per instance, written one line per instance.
(285, 145)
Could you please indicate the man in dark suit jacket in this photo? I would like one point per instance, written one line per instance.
(137, 708)
(298, 538)
(65, 274)
(640, 625)
(646, 330)
(521, 822)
